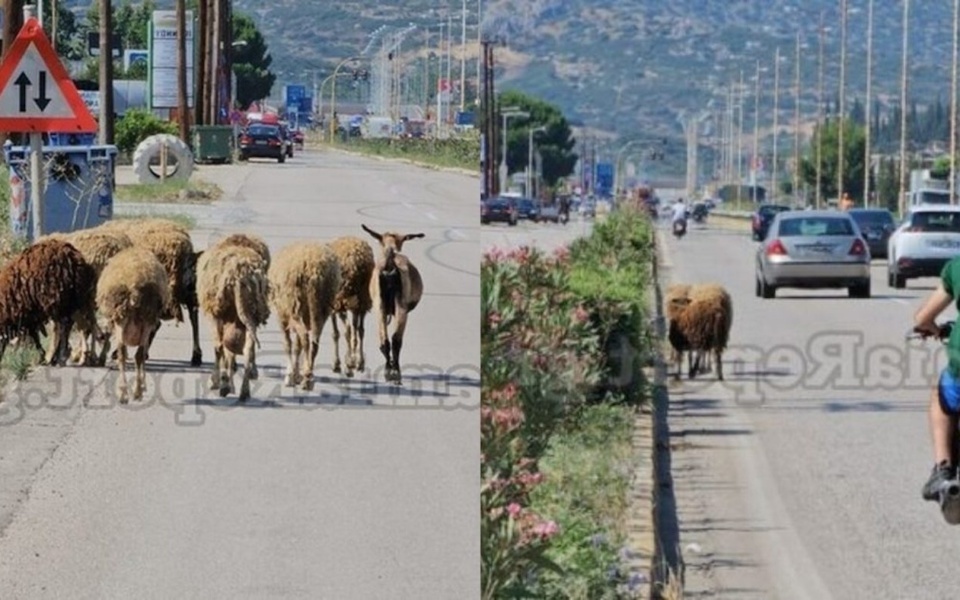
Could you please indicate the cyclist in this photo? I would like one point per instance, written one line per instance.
(944, 407)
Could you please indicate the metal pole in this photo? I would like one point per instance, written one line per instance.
(796, 121)
(819, 112)
(449, 61)
(740, 91)
(756, 135)
(869, 118)
(903, 111)
(529, 161)
(37, 183)
(776, 109)
(842, 109)
(503, 159)
(953, 106)
(463, 55)
(479, 46)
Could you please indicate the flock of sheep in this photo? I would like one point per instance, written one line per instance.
(117, 282)
(700, 317)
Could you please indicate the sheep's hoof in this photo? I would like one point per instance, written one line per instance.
(349, 373)
(224, 391)
(307, 384)
(197, 359)
(254, 374)
(336, 368)
(138, 393)
(122, 395)
(290, 380)
(244, 393)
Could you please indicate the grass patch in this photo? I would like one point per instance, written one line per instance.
(461, 153)
(169, 192)
(19, 360)
(587, 475)
(185, 220)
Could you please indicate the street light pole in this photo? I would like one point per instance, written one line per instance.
(529, 184)
(507, 113)
(333, 96)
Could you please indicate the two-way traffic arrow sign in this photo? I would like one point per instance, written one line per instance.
(36, 92)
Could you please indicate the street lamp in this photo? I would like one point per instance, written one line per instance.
(507, 113)
(333, 95)
(529, 184)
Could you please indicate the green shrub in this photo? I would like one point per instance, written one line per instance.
(463, 153)
(136, 126)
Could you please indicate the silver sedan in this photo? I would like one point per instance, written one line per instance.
(813, 250)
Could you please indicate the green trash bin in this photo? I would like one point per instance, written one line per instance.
(213, 143)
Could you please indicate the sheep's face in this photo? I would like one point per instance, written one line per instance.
(390, 242)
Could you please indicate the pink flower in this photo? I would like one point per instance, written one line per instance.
(508, 418)
(561, 254)
(545, 529)
(514, 509)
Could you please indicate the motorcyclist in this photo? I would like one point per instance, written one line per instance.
(679, 213)
(944, 406)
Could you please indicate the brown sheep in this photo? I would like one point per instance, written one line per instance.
(171, 244)
(48, 281)
(396, 289)
(304, 278)
(353, 300)
(132, 293)
(233, 291)
(702, 325)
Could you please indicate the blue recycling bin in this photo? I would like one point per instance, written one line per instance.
(79, 188)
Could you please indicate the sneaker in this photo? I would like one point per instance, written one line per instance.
(942, 473)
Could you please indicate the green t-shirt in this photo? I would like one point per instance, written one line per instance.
(950, 276)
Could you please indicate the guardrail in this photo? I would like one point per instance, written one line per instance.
(732, 214)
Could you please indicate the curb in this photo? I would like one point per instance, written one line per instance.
(408, 161)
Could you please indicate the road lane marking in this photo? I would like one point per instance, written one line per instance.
(431, 216)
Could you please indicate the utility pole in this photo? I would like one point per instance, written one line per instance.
(842, 110)
(463, 56)
(203, 16)
(488, 141)
(756, 137)
(776, 110)
(449, 61)
(479, 48)
(183, 114)
(740, 91)
(953, 106)
(819, 112)
(796, 121)
(214, 54)
(903, 110)
(869, 118)
(106, 73)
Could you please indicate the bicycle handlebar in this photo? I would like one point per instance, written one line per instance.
(945, 329)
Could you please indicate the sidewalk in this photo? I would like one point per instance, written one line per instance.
(229, 178)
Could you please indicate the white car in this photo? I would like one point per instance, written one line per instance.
(928, 237)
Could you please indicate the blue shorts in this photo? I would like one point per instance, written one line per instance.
(949, 391)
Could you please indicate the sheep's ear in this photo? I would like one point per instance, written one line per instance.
(372, 232)
(411, 236)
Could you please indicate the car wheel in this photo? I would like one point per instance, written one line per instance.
(757, 289)
(861, 290)
(766, 290)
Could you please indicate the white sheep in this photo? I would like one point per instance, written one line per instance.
(353, 300)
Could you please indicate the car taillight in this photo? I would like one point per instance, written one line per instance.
(274, 142)
(776, 248)
(244, 139)
(858, 248)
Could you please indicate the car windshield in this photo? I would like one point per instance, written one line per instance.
(873, 218)
(815, 226)
(769, 210)
(935, 221)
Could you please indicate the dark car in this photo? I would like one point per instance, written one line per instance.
(263, 140)
(499, 209)
(876, 225)
(526, 209)
(762, 218)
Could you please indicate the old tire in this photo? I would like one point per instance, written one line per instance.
(148, 151)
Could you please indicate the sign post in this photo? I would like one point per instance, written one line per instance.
(37, 96)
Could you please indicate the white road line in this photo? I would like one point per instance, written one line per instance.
(458, 234)
(903, 301)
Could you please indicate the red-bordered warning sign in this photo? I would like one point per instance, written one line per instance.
(36, 92)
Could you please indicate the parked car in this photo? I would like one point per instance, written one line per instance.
(262, 140)
(928, 237)
(526, 208)
(876, 225)
(298, 138)
(813, 250)
(762, 218)
(548, 213)
(499, 209)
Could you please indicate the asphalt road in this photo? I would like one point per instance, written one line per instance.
(354, 490)
(545, 236)
(800, 475)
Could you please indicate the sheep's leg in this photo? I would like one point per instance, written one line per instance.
(226, 373)
(385, 344)
(336, 344)
(397, 342)
(140, 372)
(290, 378)
(122, 365)
(718, 354)
(63, 351)
(104, 350)
(249, 355)
(311, 347)
(361, 362)
(217, 355)
(350, 333)
(196, 359)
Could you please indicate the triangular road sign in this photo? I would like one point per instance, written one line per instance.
(36, 92)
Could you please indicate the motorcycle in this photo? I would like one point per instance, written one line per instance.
(680, 228)
(950, 494)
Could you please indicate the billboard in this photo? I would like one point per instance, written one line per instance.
(162, 58)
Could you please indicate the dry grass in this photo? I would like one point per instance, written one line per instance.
(170, 192)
